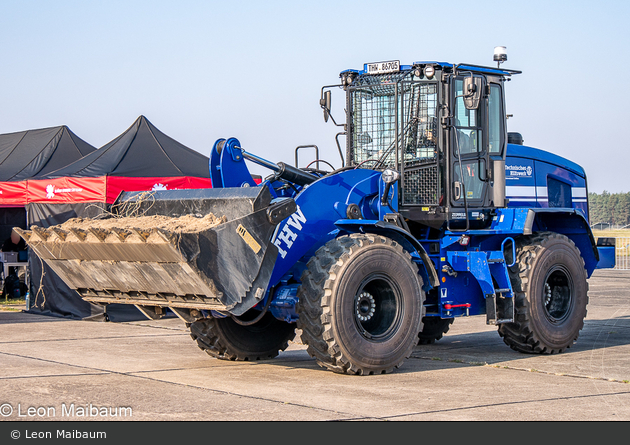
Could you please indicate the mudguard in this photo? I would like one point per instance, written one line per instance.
(399, 235)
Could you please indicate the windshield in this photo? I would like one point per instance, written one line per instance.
(390, 115)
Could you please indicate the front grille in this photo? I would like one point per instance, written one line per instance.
(420, 186)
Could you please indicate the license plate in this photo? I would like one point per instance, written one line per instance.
(392, 66)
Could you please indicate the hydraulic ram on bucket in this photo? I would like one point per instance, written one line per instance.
(174, 255)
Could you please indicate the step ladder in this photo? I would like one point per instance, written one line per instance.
(491, 272)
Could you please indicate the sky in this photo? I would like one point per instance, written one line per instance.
(204, 70)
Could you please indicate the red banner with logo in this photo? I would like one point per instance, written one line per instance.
(67, 190)
(104, 188)
(13, 194)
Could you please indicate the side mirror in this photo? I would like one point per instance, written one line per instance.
(324, 102)
(472, 92)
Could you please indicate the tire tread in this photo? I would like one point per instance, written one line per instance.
(519, 335)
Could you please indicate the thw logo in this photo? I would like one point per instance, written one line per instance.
(288, 234)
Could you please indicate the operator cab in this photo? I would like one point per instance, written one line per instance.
(442, 127)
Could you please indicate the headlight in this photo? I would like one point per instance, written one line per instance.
(390, 176)
(429, 71)
(347, 78)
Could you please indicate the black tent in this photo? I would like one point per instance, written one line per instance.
(141, 151)
(142, 158)
(26, 154)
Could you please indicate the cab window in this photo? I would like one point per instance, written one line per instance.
(495, 120)
(559, 193)
(467, 126)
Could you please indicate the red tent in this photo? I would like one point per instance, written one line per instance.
(29, 153)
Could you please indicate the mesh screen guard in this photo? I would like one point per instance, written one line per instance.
(393, 123)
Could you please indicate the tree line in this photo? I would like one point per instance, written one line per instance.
(609, 208)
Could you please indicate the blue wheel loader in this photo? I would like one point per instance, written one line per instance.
(436, 212)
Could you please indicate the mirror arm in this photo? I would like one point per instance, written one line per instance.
(325, 104)
(333, 120)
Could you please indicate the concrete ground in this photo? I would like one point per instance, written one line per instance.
(59, 369)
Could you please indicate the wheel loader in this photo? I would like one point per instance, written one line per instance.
(436, 212)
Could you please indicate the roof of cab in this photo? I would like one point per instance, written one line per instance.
(462, 66)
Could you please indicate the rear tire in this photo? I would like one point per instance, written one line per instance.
(360, 305)
(550, 295)
(225, 339)
(434, 329)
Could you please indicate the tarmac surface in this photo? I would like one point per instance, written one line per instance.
(55, 369)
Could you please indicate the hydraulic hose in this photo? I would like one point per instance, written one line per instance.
(259, 317)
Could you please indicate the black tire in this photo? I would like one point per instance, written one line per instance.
(360, 305)
(550, 295)
(225, 339)
(434, 329)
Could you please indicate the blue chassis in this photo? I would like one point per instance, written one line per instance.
(458, 278)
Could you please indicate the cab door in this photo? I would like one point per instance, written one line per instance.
(469, 154)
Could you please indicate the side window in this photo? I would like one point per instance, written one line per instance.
(495, 120)
(558, 193)
(467, 130)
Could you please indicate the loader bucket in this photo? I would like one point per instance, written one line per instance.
(194, 249)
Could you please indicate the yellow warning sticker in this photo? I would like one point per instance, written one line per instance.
(248, 238)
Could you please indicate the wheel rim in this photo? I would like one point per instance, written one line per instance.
(558, 294)
(377, 307)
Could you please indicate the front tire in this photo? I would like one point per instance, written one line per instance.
(225, 339)
(551, 294)
(360, 305)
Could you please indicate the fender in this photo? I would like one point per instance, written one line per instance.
(319, 205)
(398, 234)
(570, 222)
(525, 221)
